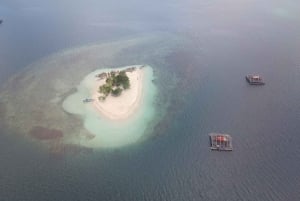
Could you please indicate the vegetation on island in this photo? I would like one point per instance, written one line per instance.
(115, 83)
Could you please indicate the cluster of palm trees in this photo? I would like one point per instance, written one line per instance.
(115, 83)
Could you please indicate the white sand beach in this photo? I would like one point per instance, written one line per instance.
(125, 105)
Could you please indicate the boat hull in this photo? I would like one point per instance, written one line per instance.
(251, 82)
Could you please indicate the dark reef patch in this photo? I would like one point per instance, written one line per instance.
(42, 133)
(59, 150)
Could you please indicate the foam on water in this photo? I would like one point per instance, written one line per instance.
(112, 133)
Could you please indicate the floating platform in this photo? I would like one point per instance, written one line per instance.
(220, 142)
(254, 80)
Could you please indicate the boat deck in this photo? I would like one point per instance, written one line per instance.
(254, 80)
(220, 142)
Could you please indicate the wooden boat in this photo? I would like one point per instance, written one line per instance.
(101, 75)
(254, 80)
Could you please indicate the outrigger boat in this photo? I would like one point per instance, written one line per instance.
(87, 100)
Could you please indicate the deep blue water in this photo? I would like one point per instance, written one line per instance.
(221, 42)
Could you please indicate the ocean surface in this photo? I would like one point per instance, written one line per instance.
(200, 52)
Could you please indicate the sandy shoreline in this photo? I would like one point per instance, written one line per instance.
(125, 105)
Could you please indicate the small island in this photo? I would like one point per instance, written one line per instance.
(118, 105)
(117, 94)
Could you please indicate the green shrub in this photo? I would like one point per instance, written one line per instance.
(119, 80)
(116, 92)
